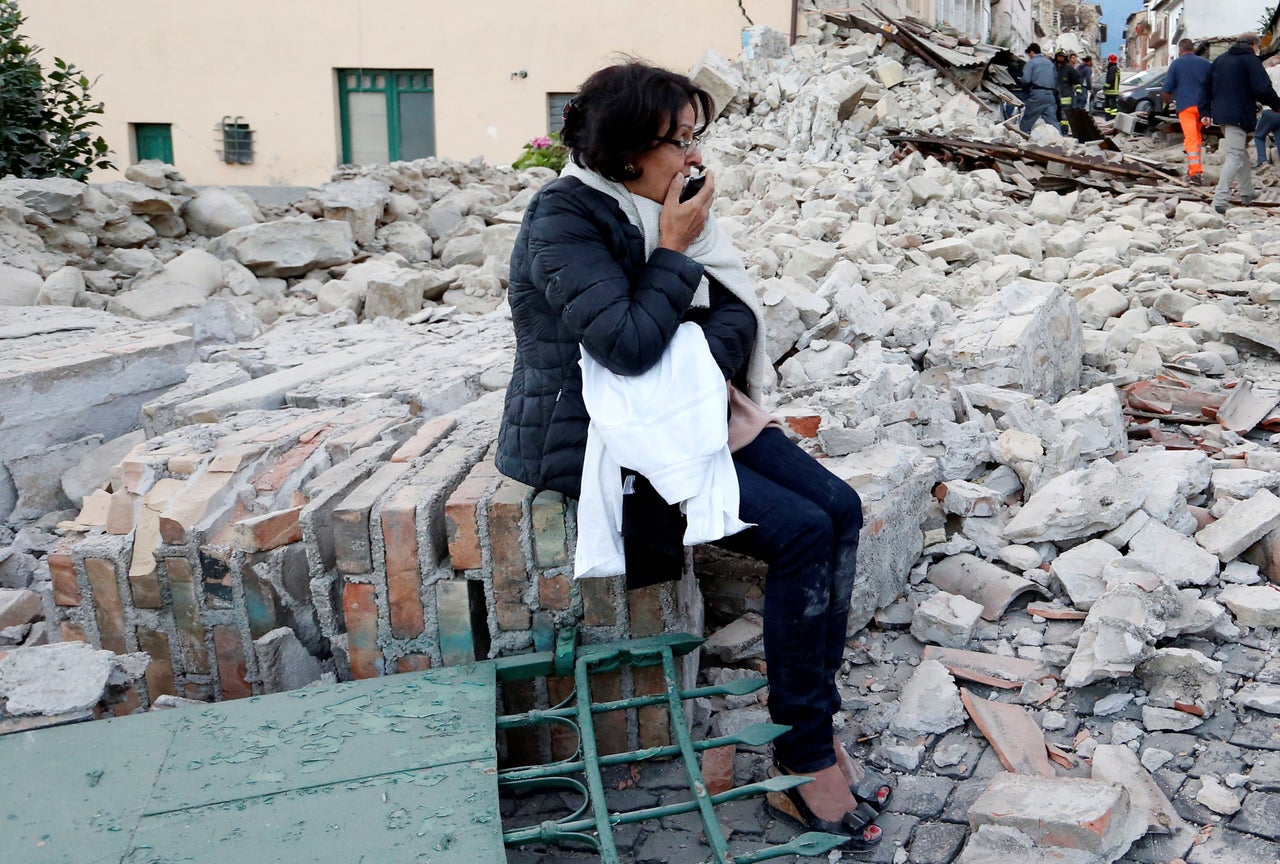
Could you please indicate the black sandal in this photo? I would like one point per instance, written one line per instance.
(857, 825)
(871, 792)
(869, 789)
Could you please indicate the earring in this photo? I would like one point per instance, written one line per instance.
(629, 168)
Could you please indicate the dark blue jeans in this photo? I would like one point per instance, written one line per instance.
(806, 529)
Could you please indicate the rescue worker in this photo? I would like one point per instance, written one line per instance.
(1086, 82)
(1111, 88)
(1068, 79)
(1039, 79)
(1182, 84)
(1077, 100)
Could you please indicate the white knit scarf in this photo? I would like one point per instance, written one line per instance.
(712, 249)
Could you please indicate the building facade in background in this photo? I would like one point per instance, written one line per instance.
(1153, 32)
(246, 92)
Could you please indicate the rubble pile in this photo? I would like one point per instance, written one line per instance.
(1058, 410)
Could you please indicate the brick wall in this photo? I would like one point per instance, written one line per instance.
(384, 542)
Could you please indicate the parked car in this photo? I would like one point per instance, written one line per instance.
(1140, 93)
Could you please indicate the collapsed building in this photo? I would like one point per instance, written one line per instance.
(248, 448)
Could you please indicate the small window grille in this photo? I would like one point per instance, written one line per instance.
(237, 141)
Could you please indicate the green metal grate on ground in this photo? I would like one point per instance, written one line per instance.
(401, 768)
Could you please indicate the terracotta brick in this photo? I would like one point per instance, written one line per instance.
(645, 605)
(209, 492)
(413, 663)
(554, 591)
(360, 606)
(273, 477)
(232, 668)
(342, 446)
(550, 541)
(717, 768)
(804, 425)
(400, 541)
(120, 512)
(143, 581)
(269, 531)
(186, 616)
(72, 632)
(66, 588)
(198, 690)
(129, 703)
(611, 726)
(429, 434)
(599, 609)
(510, 573)
(522, 744)
(351, 520)
(186, 464)
(461, 530)
(261, 603)
(655, 730)
(463, 634)
(94, 508)
(108, 608)
(160, 671)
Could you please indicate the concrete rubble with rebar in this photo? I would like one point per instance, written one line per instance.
(248, 448)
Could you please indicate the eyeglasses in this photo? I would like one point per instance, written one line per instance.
(682, 143)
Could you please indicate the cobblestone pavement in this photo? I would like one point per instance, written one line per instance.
(927, 821)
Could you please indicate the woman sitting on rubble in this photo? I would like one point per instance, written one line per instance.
(616, 281)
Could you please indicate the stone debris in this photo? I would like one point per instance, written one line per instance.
(252, 443)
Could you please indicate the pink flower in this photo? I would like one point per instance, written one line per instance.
(540, 143)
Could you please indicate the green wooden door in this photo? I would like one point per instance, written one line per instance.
(153, 141)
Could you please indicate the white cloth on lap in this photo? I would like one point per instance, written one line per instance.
(670, 425)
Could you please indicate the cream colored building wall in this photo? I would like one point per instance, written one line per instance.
(191, 62)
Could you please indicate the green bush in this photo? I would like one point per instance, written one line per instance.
(544, 152)
(45, 119)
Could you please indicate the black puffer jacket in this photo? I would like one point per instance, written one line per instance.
(1236, 83)
(579, 277)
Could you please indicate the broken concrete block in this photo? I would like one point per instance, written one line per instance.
(969, 499)
(37, 477)
(1120, 766)
(19, 606)
(359, 202)
(62, 288)
(1078, 503)
(946, 619)
(738, 640)
(1260, 697)
(1155, 719)
(929, 703)
(214, 211)
(1079, 569)
(63, 677)
(1170, 553)
(998, 844)
(1245, 524)
(1217, 797)
(1182, 678)
(288, 247)
(1096, 414)
(1253, 605)
(93, 471)
(719, 78)
(283, 662)
(1069, 812)
(1026, 336)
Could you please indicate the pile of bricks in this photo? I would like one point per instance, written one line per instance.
(384, 543)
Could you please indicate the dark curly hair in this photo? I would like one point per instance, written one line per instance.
(623, 110)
